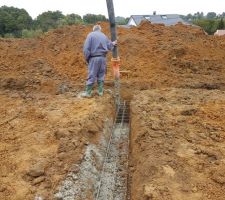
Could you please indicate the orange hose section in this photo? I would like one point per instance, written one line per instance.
(116, 67)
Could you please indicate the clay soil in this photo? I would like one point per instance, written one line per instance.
(178, 144)
(176, 87)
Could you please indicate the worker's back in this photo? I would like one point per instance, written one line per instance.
(97, 43)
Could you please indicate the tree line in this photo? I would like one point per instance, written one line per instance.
(209, 22)
(15, 22)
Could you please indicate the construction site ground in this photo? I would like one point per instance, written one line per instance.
(176, 89)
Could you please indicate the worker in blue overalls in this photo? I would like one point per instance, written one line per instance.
(96, 46)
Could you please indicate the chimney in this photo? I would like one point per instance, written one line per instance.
(154, 12)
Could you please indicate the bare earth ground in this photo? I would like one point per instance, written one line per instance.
(177, 144)
(176, 86)
(41, 138)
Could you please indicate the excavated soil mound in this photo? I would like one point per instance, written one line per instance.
(180, 56)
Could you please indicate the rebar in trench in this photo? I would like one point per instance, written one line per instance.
(121, 121)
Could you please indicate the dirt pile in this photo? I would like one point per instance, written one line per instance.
(172, 56)
(162, 56)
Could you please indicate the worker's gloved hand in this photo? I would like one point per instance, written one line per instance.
(114, 43)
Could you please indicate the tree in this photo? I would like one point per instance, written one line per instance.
(209, 25)
(211, 15)
(189, 17)
(122, 20)
(199, 15)
(93, 19)
(223, 14)
(70, 20)
(48, 20)
(73, 19)
(14, 20)
(221, 24)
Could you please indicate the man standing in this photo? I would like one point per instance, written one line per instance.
(96, 47)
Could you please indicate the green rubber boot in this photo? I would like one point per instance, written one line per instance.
(88, 91)
(100, 88)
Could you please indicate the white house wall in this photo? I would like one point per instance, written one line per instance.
(131, 22)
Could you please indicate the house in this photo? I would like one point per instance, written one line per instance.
(219, 32)
(167, 20)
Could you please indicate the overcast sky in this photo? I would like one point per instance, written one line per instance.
(122, 7)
